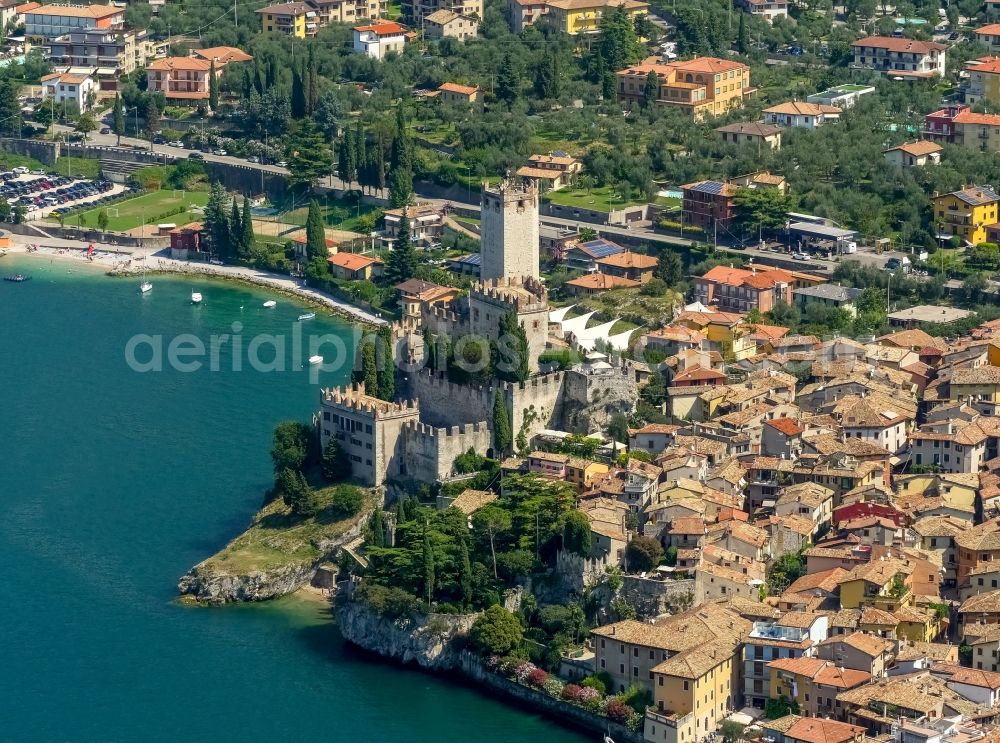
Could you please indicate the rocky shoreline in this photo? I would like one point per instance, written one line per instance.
(437, 643)
(209, 583)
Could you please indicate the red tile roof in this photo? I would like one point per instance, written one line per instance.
(352, 261)
(383, 28)
(787, 426)
(892, 44)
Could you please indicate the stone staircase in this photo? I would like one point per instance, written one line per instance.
(118, 171)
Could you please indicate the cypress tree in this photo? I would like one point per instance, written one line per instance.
(248, 86)
(360, 155)
(315, 232)
(247, 239)
(119, 117)
(345, 158)
(312, 90)
(743, 39)
(401, 164)
(377, 527)
(298, 95)
(272, 74)
(369, 369)
(464, 573)
(213, 88)
(235, 229)
(502, 438)
(402, 261)
(428, 564)
(386, 365)
(217, 222)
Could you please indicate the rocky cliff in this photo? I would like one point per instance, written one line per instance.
(431, 642)
(206, 584)
(266, 563)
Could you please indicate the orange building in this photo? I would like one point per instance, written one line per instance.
(739, 290)
(701, 86)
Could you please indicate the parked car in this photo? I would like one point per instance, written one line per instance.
(800, 256)
(105, 130)
(21, 170)
(253, 159)
(219, 153)
(281, 164)
(196, 156)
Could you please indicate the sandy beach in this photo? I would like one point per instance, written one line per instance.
(131, 261)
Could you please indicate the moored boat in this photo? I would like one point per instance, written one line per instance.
(270, 303)
(307, 316)
(17, 278)
(316, 359)
(195, 297)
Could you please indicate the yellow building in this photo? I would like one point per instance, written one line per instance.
(883, 584)
(583, 16)
(984, 80)
(979, 383)
(917, 624)
(581, 472)
(296, 19)
(689, 661)
(966, 213)
(725, 332)
(704, 86)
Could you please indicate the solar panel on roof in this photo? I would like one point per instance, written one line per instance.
(712, 187)
(602, 248)
(473, 260)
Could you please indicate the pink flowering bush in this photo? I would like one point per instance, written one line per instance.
(523, 670)
(571, 692)
(537, 677)
(617, 710)
(587, 695)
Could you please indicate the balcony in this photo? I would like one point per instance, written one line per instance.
(668, 718)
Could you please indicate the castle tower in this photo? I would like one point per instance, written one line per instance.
(509, 229)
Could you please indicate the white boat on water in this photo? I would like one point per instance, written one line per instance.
(307, 316)
(195, 297)
(145, 286)
(270, 303)
(315, 359)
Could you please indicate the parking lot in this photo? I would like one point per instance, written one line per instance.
(42, 194)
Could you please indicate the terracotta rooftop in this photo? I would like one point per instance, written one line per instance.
(819, 730)
(352, 261)
(803, 108)
(893, 44)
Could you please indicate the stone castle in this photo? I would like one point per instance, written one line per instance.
(419, 437)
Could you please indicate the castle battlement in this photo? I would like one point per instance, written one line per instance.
(443, 312)
(553, 379)
(523, 293)
(510, 189)
(354, 398)
(423, 429)
(438, 380)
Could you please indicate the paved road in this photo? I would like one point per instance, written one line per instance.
(636, 232)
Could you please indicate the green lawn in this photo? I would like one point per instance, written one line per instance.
(153, 208)
(84, 167)
(277, 538)
(598, 199)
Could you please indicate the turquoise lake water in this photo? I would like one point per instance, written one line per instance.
(115, 483)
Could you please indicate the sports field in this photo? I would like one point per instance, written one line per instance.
(153, 207)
